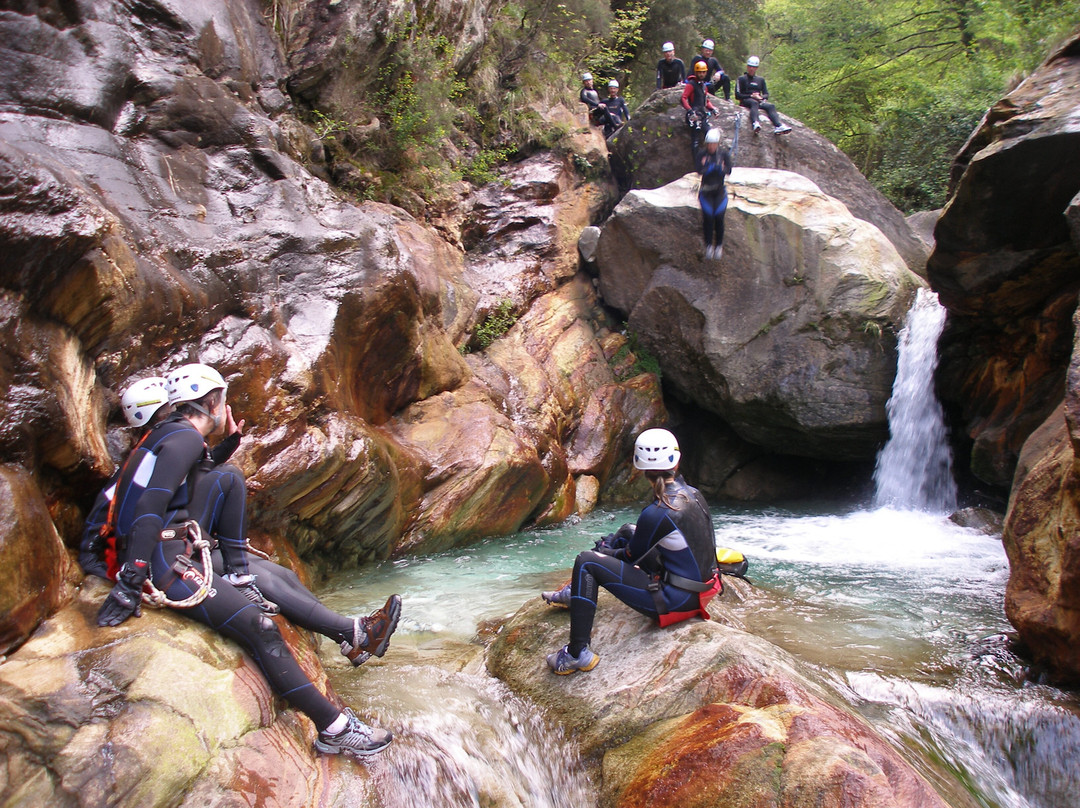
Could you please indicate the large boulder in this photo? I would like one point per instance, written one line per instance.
(791, 337)
(653, 149)
(702, 715)
(1006, 265)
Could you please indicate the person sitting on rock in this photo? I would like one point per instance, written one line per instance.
(751, 92)
(670, 72)
(719, 81)
(696, 102)
(713, 164)
(274, 588)
(168, 492)
(664, 567)
(615, 109)
(591, 99)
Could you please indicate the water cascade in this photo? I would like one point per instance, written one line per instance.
(914, 470)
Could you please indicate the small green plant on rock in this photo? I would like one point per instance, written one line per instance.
(500, 320)
(643, 361)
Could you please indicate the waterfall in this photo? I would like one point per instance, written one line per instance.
(914, 470)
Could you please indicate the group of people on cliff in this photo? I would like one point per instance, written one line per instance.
(713, 162)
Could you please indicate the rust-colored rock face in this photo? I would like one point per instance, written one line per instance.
(155, 212)
(1006, 267)
(35, 566)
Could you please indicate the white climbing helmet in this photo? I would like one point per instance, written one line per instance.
(192, 382)
(142, 399)
(709, 44)
(656, 450)
(613, 83)
(753, 61)
(668, 48)
(713, 136)
(586, 76)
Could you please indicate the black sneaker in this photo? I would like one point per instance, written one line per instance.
(356, 739)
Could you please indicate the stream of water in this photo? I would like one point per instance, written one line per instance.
(901, 611)
(894, 605)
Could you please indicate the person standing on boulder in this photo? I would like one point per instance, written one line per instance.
(713, 164)
(695, 100)
(615, 108)
(664, 567)
(752, 93)
(670, 72)
(718, 79)
(591, 99)
(168, 490)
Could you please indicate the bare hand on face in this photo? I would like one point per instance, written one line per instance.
(231, 426)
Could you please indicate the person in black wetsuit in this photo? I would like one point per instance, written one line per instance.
(713, 164)
(670, 72)
(751, 92)
(615, 109)
(719, 81)
(665, 567)
(591, 99)
(170, 478)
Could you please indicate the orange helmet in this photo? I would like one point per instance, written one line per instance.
(701, 67)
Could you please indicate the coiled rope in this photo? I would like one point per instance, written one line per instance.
(205, 580)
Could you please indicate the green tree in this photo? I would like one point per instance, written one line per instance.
(899, 84)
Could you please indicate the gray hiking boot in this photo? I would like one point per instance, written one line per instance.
(560, 597)
(356, 739)
(562, 663)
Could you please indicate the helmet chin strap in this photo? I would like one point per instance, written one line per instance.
(217, 419)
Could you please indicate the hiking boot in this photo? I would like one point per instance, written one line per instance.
(709, 253)
(782, 129)
(371, 634)
(757, 127)
(560, 597)
(562, 663)
(356, 739)
(718, 252)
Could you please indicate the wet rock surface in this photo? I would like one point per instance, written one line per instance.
(701, 714)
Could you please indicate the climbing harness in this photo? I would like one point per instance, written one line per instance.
(184, 568)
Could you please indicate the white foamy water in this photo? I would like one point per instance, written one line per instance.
(914, 470)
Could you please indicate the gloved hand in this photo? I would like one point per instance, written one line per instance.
(245, 585)
(90, 558)
(126, 596)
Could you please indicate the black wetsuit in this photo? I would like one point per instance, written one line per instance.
(670, 74)
(723, 83)
(617, 114)
(591, 99)
(745, 87)
(687, 547)
(171, 479)
(712, 195)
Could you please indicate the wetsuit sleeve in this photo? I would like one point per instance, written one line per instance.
(659, 74)
(741, 90)
(176, 456)
(224, 450)
(764, 91)
(682, 70)
(725, 157)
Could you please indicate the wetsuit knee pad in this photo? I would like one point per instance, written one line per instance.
(266, 634)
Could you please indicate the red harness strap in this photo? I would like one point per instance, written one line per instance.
(670, 618)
